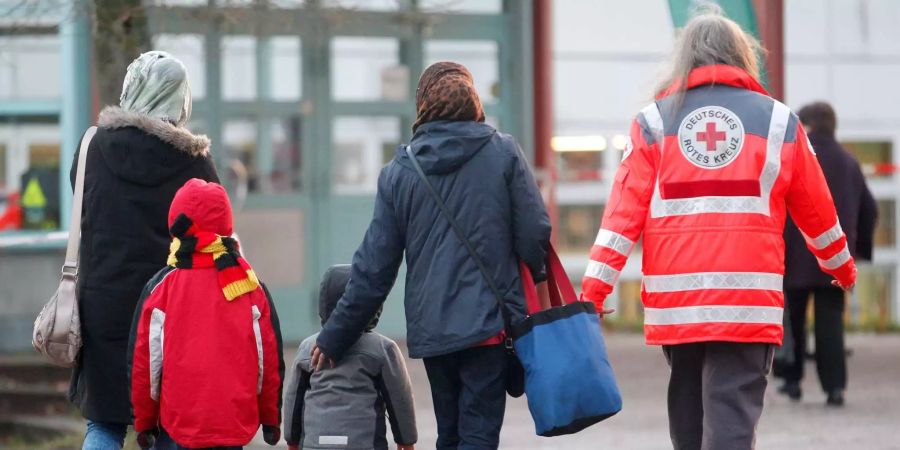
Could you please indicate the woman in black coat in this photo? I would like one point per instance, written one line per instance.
(139, 157)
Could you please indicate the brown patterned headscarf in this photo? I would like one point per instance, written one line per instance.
(447, 92)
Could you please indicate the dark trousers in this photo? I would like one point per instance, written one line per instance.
(716, 393)
(831, 360)
(469, 392)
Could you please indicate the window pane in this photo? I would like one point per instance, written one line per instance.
(29, 169)
(369, 5)
(886, 227)
(462, 6)
(189, 49)
(362, 146)
(360, 67)
(480, 57)
(580, 166)
(284, 175)
(29, 67)
(238, 68)
(578, 227)
(240, 146)
(874, 156)
(872, 298)
(284, 67)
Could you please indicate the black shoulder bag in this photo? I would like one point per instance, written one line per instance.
(515, 373)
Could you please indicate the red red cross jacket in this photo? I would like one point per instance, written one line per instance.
(707, 179)
(206, 369)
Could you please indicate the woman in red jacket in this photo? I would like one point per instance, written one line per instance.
(712, 169)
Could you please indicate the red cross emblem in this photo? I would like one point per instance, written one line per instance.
(711, 136)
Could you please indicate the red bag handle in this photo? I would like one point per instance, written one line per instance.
(558, 284)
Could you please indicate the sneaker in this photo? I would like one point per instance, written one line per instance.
(835, 398)
(792, 390)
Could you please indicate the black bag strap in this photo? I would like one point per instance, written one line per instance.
(459, 231)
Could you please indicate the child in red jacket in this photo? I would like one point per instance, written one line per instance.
(206, 357)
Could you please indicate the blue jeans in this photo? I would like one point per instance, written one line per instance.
(104, 436)
(469, 392)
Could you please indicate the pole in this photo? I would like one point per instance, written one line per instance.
(770, 20)
(543, 105)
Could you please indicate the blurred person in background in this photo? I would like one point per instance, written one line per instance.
(713, 167)
(858, 212)
(141, 155)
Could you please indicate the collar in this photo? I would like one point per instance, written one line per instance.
(717, 74)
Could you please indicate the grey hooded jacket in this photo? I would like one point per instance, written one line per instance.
(345, 407)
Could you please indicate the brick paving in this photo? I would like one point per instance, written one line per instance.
(869, 421)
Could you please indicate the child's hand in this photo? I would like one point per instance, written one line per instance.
(271, 434)
(406, 447)
(146, 439)
(318, 360)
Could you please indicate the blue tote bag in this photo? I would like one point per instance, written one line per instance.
(569, 382)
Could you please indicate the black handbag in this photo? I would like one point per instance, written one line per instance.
(515, 373)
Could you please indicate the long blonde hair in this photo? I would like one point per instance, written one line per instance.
(711, 38)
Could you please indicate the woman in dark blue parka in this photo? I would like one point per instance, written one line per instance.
(453, 319)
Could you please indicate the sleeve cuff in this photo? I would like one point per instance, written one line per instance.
(141, 425)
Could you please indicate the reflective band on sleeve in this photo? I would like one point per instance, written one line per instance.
(825, 239)
(708, 314)
(602, 272)
(156, 340)
(837, 260)
(713, 280)
(781, 115)
(259, 348)
(654, 121)
(660, 207)
(615, 241)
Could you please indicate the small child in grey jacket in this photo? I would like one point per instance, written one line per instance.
(344, 407)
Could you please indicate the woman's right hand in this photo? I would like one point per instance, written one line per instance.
(604, 312)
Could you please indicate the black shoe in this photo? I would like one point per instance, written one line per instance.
(835, 398)
(792, 390)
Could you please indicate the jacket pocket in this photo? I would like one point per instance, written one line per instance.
(259, 349)
(615, 197)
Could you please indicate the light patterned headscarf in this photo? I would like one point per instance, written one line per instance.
(156, 84)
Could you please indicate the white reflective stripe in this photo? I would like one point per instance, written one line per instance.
(714, 204)
(334, 440)
(771, 315)
(781, 115)
(827, 238)
(713, 280)
(259, 348)
(837, 260)
(654, 121)
(602, 272)
(156, 338)
(615, 241)
(705, 205)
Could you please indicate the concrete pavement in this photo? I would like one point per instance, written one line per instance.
(869, 421)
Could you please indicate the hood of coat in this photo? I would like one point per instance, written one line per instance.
(205, 204)
(146, 150)
(443, 147)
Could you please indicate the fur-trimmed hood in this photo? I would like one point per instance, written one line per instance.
(114, 117)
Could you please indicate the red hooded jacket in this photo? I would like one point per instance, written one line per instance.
(206, 369)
